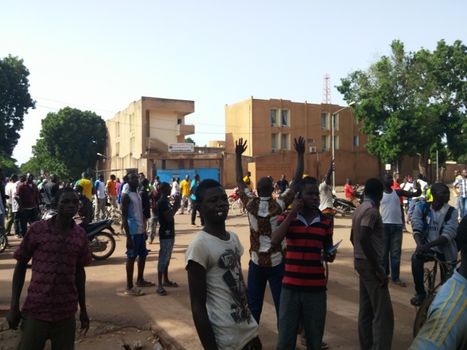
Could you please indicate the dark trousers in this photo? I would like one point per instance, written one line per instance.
(258, 276)
(375, 316)
(418, 271)
(27, 216)
(195, 209)
(392, 249)
(308, 307)
(35, 333)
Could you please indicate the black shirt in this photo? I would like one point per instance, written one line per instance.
(282, 184)
(166, 227)
(49, 190)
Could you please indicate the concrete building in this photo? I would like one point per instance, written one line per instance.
(149, 136)
(270, 127)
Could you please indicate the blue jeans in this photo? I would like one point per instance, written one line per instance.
(392, 249)
(308, 307)
(462, 204)
(257, 278)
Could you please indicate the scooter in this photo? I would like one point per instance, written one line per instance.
(100, 235)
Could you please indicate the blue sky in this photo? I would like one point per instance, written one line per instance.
(102, 55)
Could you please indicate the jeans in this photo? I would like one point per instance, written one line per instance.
(101, 209)
(462, 204)
(375, 315)
(35, 333)
(392, 249)
(165, 253)
(27, 216)
(296, 306)
(418, 273)
(194, 209)
(258, 276)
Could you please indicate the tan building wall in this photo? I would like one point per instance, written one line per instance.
(270, 141)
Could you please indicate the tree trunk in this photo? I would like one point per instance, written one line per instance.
(423, 164)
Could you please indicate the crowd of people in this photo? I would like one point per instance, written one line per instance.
(291, 240)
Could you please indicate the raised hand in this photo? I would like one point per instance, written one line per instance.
(299, 145)
(240, 146)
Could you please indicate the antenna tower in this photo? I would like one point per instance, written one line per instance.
(327, 89)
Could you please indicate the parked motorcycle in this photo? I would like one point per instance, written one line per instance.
(346, 207)
(100, 235)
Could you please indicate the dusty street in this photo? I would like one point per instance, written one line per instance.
(120, 318)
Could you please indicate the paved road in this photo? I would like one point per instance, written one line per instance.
(171, 315)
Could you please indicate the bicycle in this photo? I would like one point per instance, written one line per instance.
(446, 268)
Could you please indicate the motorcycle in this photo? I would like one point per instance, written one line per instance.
(100, 235)
(235, 203)
(346, 207)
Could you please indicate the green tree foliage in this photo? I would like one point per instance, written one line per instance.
(412, 103)
(69, 142)
(31, 166)
(189, 140)
(14, 102)
(8, 165)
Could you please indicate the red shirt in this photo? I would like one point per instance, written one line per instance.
(348, 190)
(28, 194)
(304, 269)
(396, 186)
(52, 293)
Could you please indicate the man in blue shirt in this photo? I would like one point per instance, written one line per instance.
(446, 325)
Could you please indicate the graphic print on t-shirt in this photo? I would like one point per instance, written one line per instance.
(233, 277)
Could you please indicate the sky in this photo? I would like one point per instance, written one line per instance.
(102, 55)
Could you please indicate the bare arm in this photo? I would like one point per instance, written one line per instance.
(327, 178)
(240, 148)
(125, 203)
(14, 316)
(197, 285)
(410, 194)
(299, 145)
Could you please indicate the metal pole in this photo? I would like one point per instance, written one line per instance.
(333, 150)
(437, 166)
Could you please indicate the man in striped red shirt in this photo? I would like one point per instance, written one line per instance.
(308, 235)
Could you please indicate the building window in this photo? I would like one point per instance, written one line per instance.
(325, 143)
(324, 121)
(274, 142)
(336, 141)
(336, 121)
(131, 119)
(117, 129)
(179, 121)
(285, 117)
(355, 140)
(273, 117)
(117, 148)
(132, 145)
(285, 144)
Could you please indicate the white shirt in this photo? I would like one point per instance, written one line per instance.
(10, 190)
(390, 208)
(226, 299)
(325, 196)
(100, 189)
(175, 189)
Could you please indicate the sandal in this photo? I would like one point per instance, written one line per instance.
(144, 283)
(161, 291)
(171, 284)
(135, 292)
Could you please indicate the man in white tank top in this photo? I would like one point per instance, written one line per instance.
(390, 210)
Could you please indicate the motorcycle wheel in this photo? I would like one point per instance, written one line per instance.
(3, 242)
(99, 240)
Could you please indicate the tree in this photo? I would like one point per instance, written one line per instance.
(69, 142)
(31, 166)
(411, 103)
(14, 101)
(190, 140)
(8, 165)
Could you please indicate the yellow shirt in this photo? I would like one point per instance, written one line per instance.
(87, 188)
(185, 188)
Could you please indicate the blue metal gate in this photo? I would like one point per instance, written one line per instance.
(204, 173)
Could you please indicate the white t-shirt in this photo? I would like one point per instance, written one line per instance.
(325, 196)
(226, 299)
(10, 190)
(100, 189)
(390, 208)
(175, 191)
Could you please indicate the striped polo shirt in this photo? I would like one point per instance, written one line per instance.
(304, 269)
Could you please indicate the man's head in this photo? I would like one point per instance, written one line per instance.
(348, 181)
(248, 173)
(283, 177)
(84, 175)
(164, 189)
(13, 178)
(144, 183)
(213, 201)
(396, 176)
(54, 178)
(30, 178)
(187, 177)
(112, 177)
(440, 193)
(374, 189)
(309, 192)
(196, 177)
(67, 202)
(22, 178)
(265, 187)
(133, 181)
(464, 173)
(456, 173)
(101, 177)
(388, 180)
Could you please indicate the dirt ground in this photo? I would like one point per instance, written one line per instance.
(118, 319)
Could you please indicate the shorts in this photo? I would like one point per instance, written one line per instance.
(35, 333)
(139, 246)
(165, 253)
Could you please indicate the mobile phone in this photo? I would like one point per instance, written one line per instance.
(333, 249)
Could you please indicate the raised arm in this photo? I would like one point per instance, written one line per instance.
(240, 148)
(299, 145)
(410, 194)
(327, 177)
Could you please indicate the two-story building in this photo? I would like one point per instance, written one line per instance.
(270, 127)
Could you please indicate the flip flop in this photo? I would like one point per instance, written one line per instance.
(171, 284)
(143, 284)
(161, 291)
(135, 292)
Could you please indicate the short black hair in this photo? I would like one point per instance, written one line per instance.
(63, 191)
(307, 180)
(461, 238)
(203, 186)
(373, 187)
(439, 187)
